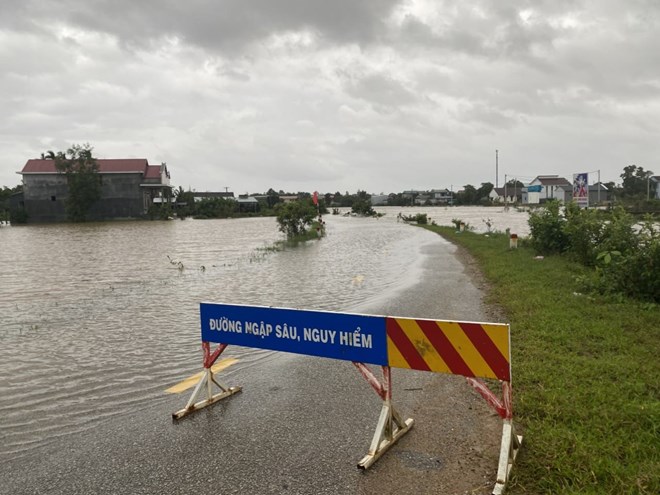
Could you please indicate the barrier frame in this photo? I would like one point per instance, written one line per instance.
(208, 378)
(391, 426)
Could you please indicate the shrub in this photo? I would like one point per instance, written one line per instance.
(584, 233)
(619, 233)
(635, 272)
(363, 206)
(294, 218)
(547, 230)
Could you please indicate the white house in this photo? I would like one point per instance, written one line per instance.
(547, 187)
(508, 194)
(656, 179)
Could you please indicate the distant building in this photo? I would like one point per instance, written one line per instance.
(128, 189)
(547, 187)
(509, 194)
(200, 196)
(379, 199)
(598, 193)
(249, 203)
(655, 179)
(432, 197)
(441, 196)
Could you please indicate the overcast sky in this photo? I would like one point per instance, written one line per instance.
(303, 95)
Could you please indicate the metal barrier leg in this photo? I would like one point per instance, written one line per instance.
(208, 379)
(508, 452)
(390, 425)
(510, 441)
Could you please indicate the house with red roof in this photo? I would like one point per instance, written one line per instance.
(128, 189)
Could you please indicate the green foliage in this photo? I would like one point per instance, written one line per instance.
(635, 272)
(214, 208)
(585, 374)
(627, 260)
(547, 229)
(636, 181)
(84, 186)
(470, 195)
(6, 213)
(419, 218)
(363, 207)
(618, 232)
(458, 222)
(584, 231)
(294, 217)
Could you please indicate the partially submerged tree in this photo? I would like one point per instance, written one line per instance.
(84, 185)
(294, 217)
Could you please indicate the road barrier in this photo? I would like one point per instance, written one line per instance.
(473, 350)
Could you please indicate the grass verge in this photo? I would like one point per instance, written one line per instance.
(586, 374)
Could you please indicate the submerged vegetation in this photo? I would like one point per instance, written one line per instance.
(585, 366)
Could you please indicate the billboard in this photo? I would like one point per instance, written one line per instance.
(581, 189)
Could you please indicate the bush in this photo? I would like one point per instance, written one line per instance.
(634, 272)
(363, 207)
(584, 232)
(18, 216)
(619, 232)
(547, 230)
(627, 260)
(421, 219)
(294, 218)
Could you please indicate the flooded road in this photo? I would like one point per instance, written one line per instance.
(99, 319)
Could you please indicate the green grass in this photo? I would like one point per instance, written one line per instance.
(586, 374)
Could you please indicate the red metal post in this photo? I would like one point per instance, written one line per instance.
(211, 358)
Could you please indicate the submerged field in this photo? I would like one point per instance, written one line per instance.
(586, 374)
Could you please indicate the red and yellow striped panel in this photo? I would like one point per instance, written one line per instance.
(459, 348)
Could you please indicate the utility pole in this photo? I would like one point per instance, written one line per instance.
(496, 168)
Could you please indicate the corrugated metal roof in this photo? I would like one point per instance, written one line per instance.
(106, 166)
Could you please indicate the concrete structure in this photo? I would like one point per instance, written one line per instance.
(547, 187)
(200, 196)
(441, 196)
(249, 203)
(654, 180)
(128, 189)
(508, 194)
(598, 193)
(432, 197)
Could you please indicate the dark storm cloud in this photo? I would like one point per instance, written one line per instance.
(222, 25)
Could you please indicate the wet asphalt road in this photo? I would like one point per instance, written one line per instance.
(300, 426)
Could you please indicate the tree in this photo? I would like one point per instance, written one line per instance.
(483, 192)
(272, 198)
(363, 207)
(635, 181)
(294, 217)
(468, 196)
(514, 184)
(82, 175)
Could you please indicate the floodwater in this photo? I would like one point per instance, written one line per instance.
(99, 319)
